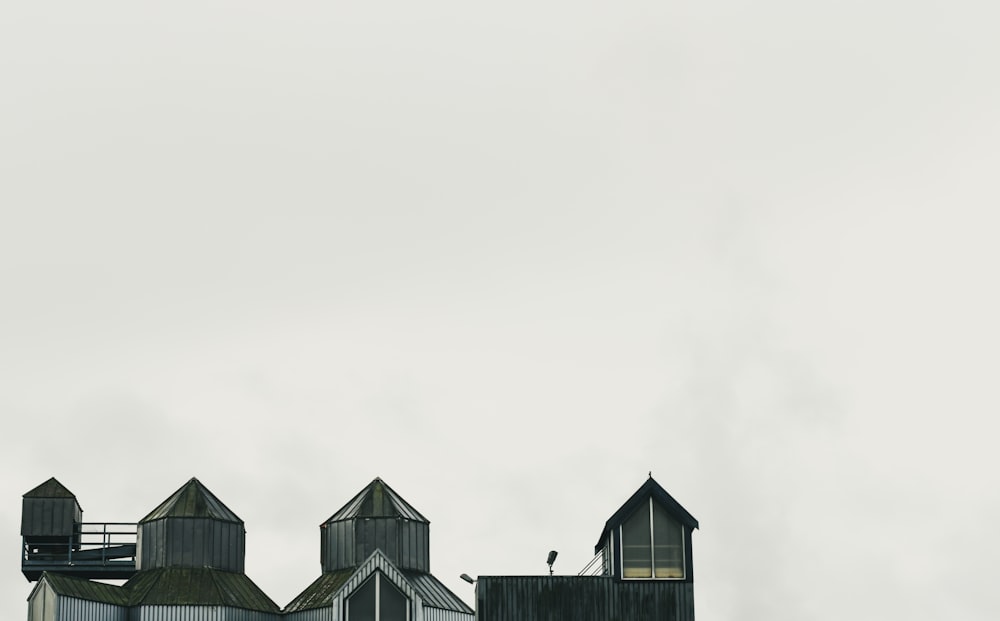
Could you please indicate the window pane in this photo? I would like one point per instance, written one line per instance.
(669, 551)
(392, 602)
(636, 561)
(361, 604)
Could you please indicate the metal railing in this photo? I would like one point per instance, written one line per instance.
(92, 543)
(595, 567)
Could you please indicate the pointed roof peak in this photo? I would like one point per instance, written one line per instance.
(50, 489)
(377, 499)
(649, 489)
(193, 500)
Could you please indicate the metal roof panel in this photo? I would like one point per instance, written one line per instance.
(192, 500)
(377, 499)
(649, 488)
(182, 586)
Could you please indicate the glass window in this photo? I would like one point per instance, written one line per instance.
(361, 603)
(636, 545)
(377, 599)
(392, 603)
(668, 545)
(652, 544)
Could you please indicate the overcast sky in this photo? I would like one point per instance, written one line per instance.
(511, 257)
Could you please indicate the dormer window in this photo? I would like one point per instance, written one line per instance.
(652, 544)
(377, 599)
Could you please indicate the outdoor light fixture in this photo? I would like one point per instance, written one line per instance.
(552, 559)
(467, 578)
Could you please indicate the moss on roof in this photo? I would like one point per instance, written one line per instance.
(70, 586)
(320, 593)
(377, 499)
(171, 586)
(181, 586)
(192, 500)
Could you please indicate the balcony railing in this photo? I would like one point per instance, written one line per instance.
(95, 549)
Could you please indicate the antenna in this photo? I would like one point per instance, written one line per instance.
(552, 559)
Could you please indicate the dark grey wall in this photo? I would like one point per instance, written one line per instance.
(191, 542)
(347, 543)
(49, 517)
(583, 598)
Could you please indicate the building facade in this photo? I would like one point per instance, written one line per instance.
(184, 561)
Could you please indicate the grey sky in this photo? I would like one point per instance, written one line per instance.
(510, 258)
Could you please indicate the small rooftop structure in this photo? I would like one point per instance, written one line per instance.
(646, 572)
(192, 528)
(377, 518)
(375, 559)
(54, 537)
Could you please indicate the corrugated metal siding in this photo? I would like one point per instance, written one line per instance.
(380, 563)
(316, 614)
(42, 603)
(435, 594)
(199, 613)
(73, 609)
(573, 598)
(191, 542)
(436, 614)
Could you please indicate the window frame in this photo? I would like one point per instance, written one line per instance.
(652, 545)
(378, 577)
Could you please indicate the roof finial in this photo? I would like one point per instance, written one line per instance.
(651, 474)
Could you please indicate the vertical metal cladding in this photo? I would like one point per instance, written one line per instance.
(74, 609)
(316, 614)
(346, 543)
(49, 517)
(50, 510)
(42, 604)
(437, 614)
(598, 598)
(199, 613)
(377, 518)
(192, 542)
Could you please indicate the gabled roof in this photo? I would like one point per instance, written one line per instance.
(182, 586)
(649, 489)
(432, 593)
(50, 489)
(193, 500)
(71, 586)
(377, 500)
(320, 593)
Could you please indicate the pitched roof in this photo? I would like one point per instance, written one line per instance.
(434, 593)
(172, 586)
(71, 586)
(320, 593)
(431, 591)
(50, 489)
(377, 500)
(649, 489)
(182, 586)
(192, 500)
